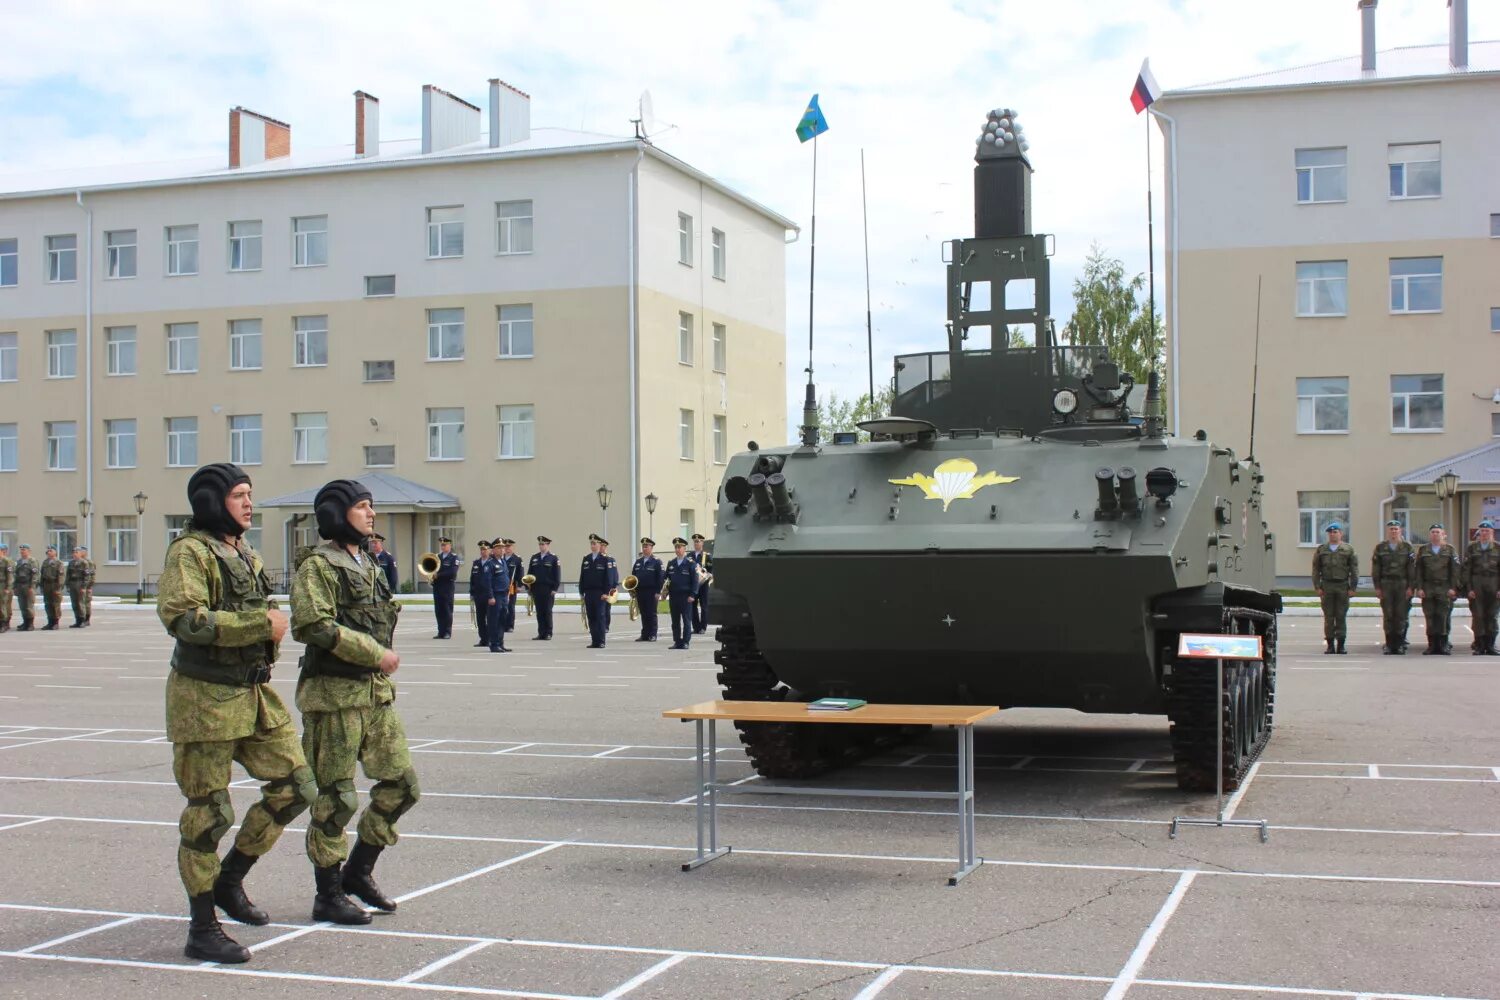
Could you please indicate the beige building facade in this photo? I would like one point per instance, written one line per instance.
(509, 326)
(1365, 207)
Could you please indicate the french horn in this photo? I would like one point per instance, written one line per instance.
(427, 566)
(630, 583)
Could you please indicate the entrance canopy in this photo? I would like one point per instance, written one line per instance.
(1475, 486)
(1476, 469)
(390, 495)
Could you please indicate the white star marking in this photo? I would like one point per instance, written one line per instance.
(948, 620)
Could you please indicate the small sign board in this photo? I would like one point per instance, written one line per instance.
(1209, 646)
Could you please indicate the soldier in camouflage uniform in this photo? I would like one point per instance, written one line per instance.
(343, 610)
(1391, 569)
(51, 578)
(81, 588)
(1481, 581)
(7, 573)
(1335, 576)
(214, 600)
(1436, 581)
(25, 584)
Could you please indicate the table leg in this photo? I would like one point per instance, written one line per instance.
(967, 861)
(706, 801)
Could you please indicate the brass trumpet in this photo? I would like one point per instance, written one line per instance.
(527, 581)
(427, 566)
(630, 583)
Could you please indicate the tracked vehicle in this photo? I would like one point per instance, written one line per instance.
(1011, 535)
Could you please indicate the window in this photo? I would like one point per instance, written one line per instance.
(62, 534)
(515, 331)
(176, 525)
(182, 249)
(517, 431)
(119, 444)
(310, 341)
(686, 521)
(380, 456)
(1416, 403)
(685, 434)
(721, 439)
(62, 353)
(310, 241)
(121, 533)
(452, 528)
(684, 338)
(1416, 284)
(684, 239)
(8, 534)
(8, 357)
(445, 434)
(244, 246)
(119, 350)
(10, 260)
(445, 231)
(1494, 319)
(62, 445)
(62, 258)
(445, 335)
(1322, 175)
(182, 347)
(377, 285)
(1494, 235)
(1322, 287)
(1316, 509)
(1494, 432)
(244, 344)
(1323, 405)
(720, 259)
(252, 533)
(182, 441)
(380, 371)
(8, 439)
(245, 439)
(1416, 170)
(513, 227)
(119, 254)
(721, 348)
(310, 438)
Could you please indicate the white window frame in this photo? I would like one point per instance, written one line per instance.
(517, 431)
(122, 538)
(687, 526)
(1494, 319)
(1316, 172)
(62, 259)
(10, 357)
(440, 230)
(438, 328)
(62, 353)
(445, 432)
(242, 244)
(379, 295)
(379, 361)
(720, 254)
(684, 239)
(516, 325)
(686, 432)
(509, 233)
(310, 438)
(116, 260)
(721, 347)
(686, 338)
(240, 438)
(1312, 285)
(307, 250)
(182, 251)
(1494, 226)
(177, 439)
(1403, 283)
(175, 525)
(1313, 519)
(380, 465)
(721, 438)
(1397, 156)
(62, 533)
(245, 335)
(61, 446)
(1404, 399)
(10, 262)
(1311, 399)
(178, 340)
(10, 444)
(306, 331)
(115, 343)
(117, 438)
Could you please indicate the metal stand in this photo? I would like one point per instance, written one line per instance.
(1220, 821)
(709, 787)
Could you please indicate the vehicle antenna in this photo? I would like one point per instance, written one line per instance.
(1255, 370)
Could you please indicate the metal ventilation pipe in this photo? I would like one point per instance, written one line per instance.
(1129, 498)
(1458, 33)
(1367, 35)
(761, 494)
(1105, 478)
(780, 496)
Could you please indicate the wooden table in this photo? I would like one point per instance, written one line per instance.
(960, 718)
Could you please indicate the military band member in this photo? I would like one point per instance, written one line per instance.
(214, 599)
(7, 579)
(497, 583)
(680, 591)
(1481, 581)
(705, 559)
(385, 561)
(649, 577)
(25, 583)
(1436, 580)
(343, 610)
(479, 593)
(597, 577)
(80, 588)
(1335, 576)
(609, 608)
(443, 583)
(547, 569)
(50, 577)
(514, 564)
(1392, 567)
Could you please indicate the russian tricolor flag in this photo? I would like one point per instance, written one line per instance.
(1146, 89)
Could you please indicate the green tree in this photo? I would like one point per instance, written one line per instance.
(837, 414)
(1108, 312)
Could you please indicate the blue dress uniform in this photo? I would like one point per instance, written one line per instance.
(442, 591)
(513, 564)
(649, 576)
(596, 577)
(548, 572)
(682, 584)
(479, 595)
(387, 562)
(700, 602)
(497, 579)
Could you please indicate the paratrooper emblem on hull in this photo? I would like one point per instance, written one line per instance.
(955, 479)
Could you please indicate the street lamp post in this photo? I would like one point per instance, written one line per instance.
(604, 493)
(651, 499)
(1447, 488)
(85, 507)
(140, 545)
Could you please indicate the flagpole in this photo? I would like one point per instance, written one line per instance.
(1150, 246)
(812, 261)
(869, 326)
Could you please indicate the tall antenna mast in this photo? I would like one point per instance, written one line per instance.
(1255, 370)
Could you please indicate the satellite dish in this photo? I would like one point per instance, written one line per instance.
(647, 112)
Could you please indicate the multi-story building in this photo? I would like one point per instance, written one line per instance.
(1360, 199)
(505, 321)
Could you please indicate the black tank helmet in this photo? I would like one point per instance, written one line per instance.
(331, 507)
(207, 491)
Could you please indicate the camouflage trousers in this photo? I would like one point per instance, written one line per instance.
(373, 736)
(26, 598)
(5, 606)
(52, 604)
(202, 772)
(1335, 611)
(82, 601)
(1437, 609)
(1395, 610)
(1485, 609)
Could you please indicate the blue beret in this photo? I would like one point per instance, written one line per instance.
(1487, 523)
(1334, 526)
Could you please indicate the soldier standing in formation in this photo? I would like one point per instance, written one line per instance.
(81, 588)
(649, 577)
(343, 610)
(50, 577)
(1436, 581)
(25, 583)
(1392, 567)
(497, 590)
(442, 588)
(700, 599)
(385, 561)
(479, 594)
(681, 586)
(7, 577)
(514, 565)
(214, 599)
(1481, 581)
(548, 572)
(1335, 576)
(597, 577)
(614, 583)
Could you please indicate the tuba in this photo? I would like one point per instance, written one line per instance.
(630, 583)
(527, 581)
(427, 566)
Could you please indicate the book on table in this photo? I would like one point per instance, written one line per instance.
(836, 704)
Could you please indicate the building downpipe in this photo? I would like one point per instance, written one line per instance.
(86, 534)
(1458, 34)
(1367, 35)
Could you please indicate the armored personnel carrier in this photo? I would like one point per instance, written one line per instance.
(1011, 535)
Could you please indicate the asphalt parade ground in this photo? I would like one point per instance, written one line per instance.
(544, 857)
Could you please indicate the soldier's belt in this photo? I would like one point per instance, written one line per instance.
(225, 674)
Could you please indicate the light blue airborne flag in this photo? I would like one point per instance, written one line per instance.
(813, 123)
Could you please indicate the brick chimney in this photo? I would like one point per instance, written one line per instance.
(510, 114)
(1458, 34)
(1367, 35)
(254, 138)
(447, 120)
(366, 124)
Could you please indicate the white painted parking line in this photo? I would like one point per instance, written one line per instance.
(444, 962)
(288, 936)
(29, 822)
(644, 977)
(439, 683)
(556, 685)
(879, 983)
(71, 687)
(1239, 793)
(1143, 947)
(78, 934)
(525, 694)
(634, 677)
(481, 871)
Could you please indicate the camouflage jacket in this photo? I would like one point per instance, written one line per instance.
(1393, 564)
(1335, 567)
(51, 575)
(321, 577)
(25, 574)
(7, 570)
(1481, 567)
(190, 589)
(80, 574)
(1437, 571)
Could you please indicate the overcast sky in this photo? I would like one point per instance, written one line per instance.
(908, 83)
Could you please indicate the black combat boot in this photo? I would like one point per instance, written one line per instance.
(331, 904)
(1340, 650)
(1328, 647)
(1432, 648)
(358, 880)
(229, 890)
(25, 627)
(1445, 648)
(206, 939)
